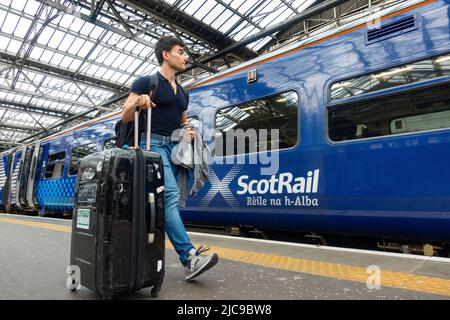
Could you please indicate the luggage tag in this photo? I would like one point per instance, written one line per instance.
(157, 171)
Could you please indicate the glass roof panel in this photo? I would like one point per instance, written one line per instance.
(87, 28)
(10, 23)
(111, 57)
(275, 17)
(66, 62)
(226, 21)
(191, 9)
(96, 32)
(76, 63)
(71, 23)
(31, 6)
(36, 53)
(4, 41)
(214, 13)
(263, 14)
(14, 46)
(2, 18)
(259, 44)
(245, 32)
(18, 5)
(56, 38)
(303, 4)
(72, 42)
(45, 35)
(90, 69)
(81, 48)
(6, 2)
(22, 27)
(242, 6)
(65, 42)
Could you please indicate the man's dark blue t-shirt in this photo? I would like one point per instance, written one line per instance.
(166, 116)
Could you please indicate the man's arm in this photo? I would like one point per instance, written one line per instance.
(189, 134)
(143, 101)
(184, 119)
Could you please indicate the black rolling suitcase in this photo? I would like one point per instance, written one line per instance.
(118, 229)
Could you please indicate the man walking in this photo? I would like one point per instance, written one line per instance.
(169, 112)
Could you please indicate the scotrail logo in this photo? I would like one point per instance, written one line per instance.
(279, 190)
(284, 183)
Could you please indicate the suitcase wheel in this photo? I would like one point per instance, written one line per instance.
(74, 286)
(155, 292)
(108, 296)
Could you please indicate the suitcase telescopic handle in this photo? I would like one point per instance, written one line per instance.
(136, 125)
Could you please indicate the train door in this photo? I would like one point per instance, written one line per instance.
(31, 195)
(14, 174)
(5, 163)
(40, 187)
(51, 183)
(24, 173)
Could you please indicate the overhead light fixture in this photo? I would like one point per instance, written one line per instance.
(393, 72)
(281, 100)
(248, 108)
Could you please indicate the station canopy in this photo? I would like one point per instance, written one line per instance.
(68, 61)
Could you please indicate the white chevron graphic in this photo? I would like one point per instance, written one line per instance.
(3, 174)
(222, 187)
(14, 178)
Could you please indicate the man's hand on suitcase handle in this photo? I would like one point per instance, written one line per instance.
(144, 102)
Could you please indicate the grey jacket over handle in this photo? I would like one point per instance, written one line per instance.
(198, 164)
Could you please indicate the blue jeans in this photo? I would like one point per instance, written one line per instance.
(174, 225)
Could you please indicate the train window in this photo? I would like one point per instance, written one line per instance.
(55, 165)
(78, 153)
(414, 72)
(269, 123)
(414, 111)
(109, 143)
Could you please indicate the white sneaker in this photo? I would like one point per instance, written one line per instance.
(198, 263)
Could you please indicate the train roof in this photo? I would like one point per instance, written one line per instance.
(82, 125)
(61, 133)
(298, 46)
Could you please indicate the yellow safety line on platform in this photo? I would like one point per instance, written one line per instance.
(42, 225)
(398, 280)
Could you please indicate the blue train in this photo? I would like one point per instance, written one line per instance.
(359, 120)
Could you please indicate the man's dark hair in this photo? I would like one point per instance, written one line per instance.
(166, 44)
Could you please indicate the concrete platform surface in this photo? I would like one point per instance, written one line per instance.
(34, 256)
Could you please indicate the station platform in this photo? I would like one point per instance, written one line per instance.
(34, 256)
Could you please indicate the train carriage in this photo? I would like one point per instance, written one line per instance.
(345, 133)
